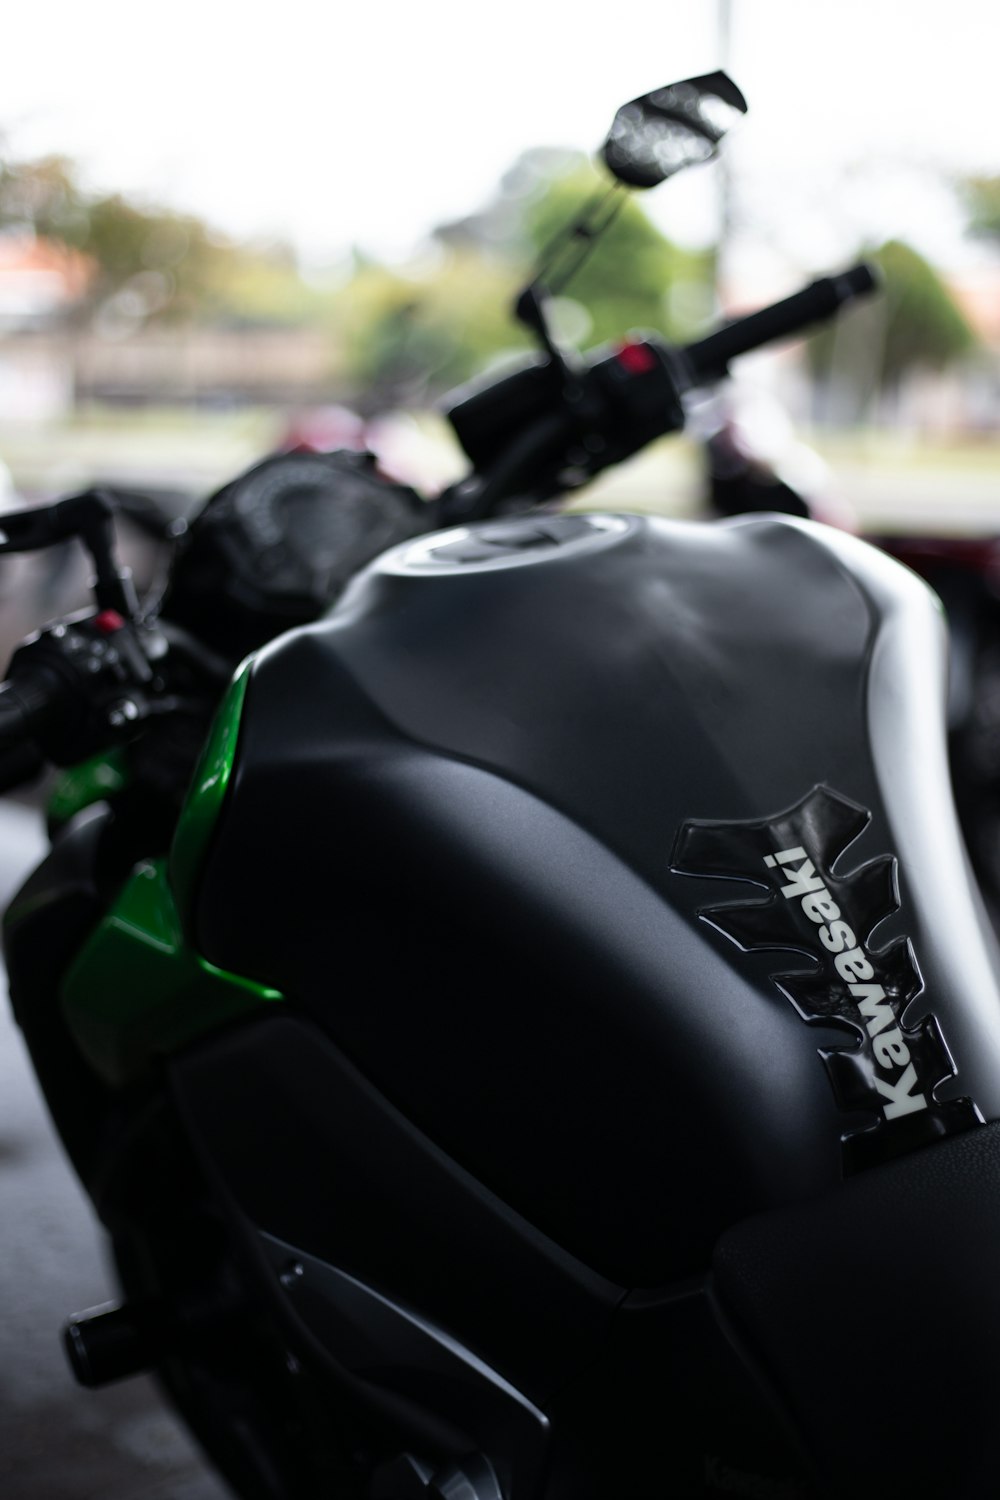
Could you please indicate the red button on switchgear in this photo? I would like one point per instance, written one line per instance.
(108, 621)
(637, 359)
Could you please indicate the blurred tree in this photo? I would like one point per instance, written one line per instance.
(150, 262)
(399, 334)
(408, 335)
(981, 196)
(924, 327)
(635, 277)
(165, 264)
(914, 324)
(405, 338)
(42, 196)
(259, 285)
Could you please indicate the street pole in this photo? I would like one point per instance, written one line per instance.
(724, 33)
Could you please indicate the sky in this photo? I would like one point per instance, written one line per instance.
(366, 125)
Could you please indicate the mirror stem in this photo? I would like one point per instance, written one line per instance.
(530, 310)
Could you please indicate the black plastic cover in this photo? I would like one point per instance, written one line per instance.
(276, 546)
(450, 841)
(876, 1312)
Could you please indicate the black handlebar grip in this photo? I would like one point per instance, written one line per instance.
(14, 727)
(20, 758)
(707, 359)
(19, 765)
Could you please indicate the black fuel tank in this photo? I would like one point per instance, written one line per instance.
(612, 851)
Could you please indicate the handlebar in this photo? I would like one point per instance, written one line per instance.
(73, 689)
(83, 684)
(20, 758)
(707, 359)
(14, 725)
(29, 704)
(565, 423)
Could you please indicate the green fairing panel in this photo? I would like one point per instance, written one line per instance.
(81, 786)
(138, 989)
(206, 795)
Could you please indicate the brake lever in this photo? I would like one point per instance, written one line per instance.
(90, 517)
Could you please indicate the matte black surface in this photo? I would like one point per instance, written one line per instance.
(327, 1165)
(410, 1359)
(676, 665)
(518, 1074)
(449, 838)
(640, 1392)
(277, 545)
(44, 926)
(876, 1311)
(528, 1002)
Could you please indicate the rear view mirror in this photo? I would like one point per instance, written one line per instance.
(658, 134)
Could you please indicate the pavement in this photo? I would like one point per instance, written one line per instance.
(57, 1440)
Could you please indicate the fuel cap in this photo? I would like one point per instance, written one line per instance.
(507, 543)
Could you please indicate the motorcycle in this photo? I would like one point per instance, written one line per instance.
(529, 1030)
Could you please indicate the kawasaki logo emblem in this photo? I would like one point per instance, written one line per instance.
(856, 970)
(888, 1068)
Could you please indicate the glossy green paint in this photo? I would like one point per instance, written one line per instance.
(137, 990)
(206, 794)
(92, 781)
